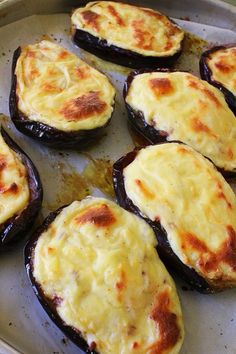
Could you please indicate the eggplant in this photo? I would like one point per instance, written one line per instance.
(86, 250)
(127, 35)
(20, 222)
(177, 191)
(167, 105)
(60, 112)
(217, 66)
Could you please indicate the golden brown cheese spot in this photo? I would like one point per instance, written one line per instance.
(154, 14)
(208, 261)
(100, 216)
(200, 127)
(193, 241)
(63, 54)
(197, 85)
(81, 73)
(13, 188)
(144, 189)
(91, 19)
(121, 285)
(142, 36)
(30, 54)
(115, 14)
(168, 45)
(83, 107)
(135, 345)
(161, 86)
(220, 193)
(230, 154)
(223, 67)
(33, 74)
(212, 97)
(51, 88)
(166, 321)
(182, 150)
(3, 163)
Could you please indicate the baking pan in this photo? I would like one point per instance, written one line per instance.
(210, 321)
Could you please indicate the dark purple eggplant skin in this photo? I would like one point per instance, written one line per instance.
(44, 133)
(49, 306)
(152, 134)
(16, 227)
(102, 49)
(206, 74)
(164, 249)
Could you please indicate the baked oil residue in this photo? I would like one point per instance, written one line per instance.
(193, 47)
(98, 174)
(70, 186)
(103, 65)
(73, 185)
(138, 139)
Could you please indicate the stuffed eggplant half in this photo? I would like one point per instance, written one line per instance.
(20, 192)
(218, 67)
(127, 35)
(57, 98)
(178, 106)
(95, 270)
(189, 205)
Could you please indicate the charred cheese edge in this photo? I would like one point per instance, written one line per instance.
(174, 184)
(187, 109)
(222, 64)
(98, 263)
(141, 30)
(14, 187)
(57, 88)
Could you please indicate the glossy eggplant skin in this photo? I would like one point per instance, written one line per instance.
(206, 74)
(164, 249)
(137, 120)
(102, 49)
(48, 305)
(45, 133)
(17, 226)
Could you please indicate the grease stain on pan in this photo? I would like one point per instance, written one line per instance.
(193, 46)
(98, 174)
(137, 138)
(74, 185)
(102, 65)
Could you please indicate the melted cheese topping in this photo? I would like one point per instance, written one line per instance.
(138, 29)
(223, 67)
(177, 186)
(14, 189)
(187, 109)
(57, 88)
(98, 264)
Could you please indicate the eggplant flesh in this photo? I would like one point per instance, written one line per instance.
(170, 259)
(102, 49)
(17, 226)
(44, 133)
(139, 123)
(206, 74)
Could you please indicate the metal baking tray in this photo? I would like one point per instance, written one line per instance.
(210, 320)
